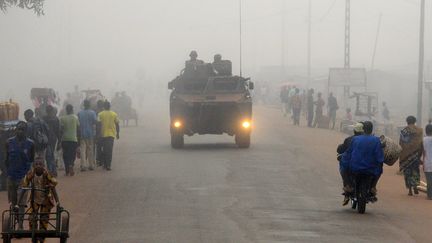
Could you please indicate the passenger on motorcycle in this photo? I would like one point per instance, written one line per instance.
(365, 156)
(343, 164)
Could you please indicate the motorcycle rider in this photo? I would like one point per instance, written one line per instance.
(365, 156)
(343, 164)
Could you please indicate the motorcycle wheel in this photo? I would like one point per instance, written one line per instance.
(353, 204)
(362, 198)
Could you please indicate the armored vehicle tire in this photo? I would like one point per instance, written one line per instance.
(177, 140)
(243, 140)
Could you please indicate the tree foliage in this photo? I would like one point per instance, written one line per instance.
(35, 5)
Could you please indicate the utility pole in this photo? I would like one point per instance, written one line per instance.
(309, 44)
(283, 33)
(347, 64)
(376, 43)
(240, 39)
(421, 64)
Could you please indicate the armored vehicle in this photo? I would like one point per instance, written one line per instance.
(208, 99)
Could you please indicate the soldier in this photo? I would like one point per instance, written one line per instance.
(221, 67)
(217, 58)
(193, 61)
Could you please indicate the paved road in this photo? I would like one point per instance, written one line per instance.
(285, 188)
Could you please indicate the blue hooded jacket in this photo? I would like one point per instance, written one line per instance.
(365, 155)
(20, 158)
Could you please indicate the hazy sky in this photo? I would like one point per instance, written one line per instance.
(118, 37)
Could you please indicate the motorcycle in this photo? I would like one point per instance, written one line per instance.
(362, 194)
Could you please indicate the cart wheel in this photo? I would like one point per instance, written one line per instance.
(6, 224)
(6, 239)
(64, 224)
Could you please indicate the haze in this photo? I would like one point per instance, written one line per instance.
(113, 39)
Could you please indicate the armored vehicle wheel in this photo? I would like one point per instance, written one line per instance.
(177, 140)
(243, 140)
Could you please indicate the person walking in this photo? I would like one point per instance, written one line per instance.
(411, 141)
(69, 125)
(296, 104)
(310, 107)
(427, 159)
(332, 109)
(385, 112)
(110, 129)
(319, 103)
(284, 100)
(98, 138)
(20, 155)
(53, 136)
(38, 131)
(87, 120)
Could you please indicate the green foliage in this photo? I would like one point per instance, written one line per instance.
(35, 5)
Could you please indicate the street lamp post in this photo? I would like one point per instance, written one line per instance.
(421, 64)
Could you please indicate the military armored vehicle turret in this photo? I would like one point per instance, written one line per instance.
(207, 99)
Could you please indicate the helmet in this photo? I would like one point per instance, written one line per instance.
(193, 54)
(217, 57)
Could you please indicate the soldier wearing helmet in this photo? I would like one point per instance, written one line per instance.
(193, 61)
(221, 67)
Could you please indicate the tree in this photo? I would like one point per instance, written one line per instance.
(35, 5)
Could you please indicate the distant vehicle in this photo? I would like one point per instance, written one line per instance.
(42, 97)
(205, 101)
(122, 105)
(93, 95)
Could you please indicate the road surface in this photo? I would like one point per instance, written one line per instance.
(285, 188)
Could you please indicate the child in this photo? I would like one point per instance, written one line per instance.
(427, 159)
(45, 195)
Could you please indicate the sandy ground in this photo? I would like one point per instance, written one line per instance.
(285, 188)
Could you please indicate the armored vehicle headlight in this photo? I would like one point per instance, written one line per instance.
(177, 124)
(246, 124)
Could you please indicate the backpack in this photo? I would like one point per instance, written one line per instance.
(39, 135)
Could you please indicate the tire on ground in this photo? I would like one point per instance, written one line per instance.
(362, 198)
(177, 140)
(243, 140)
